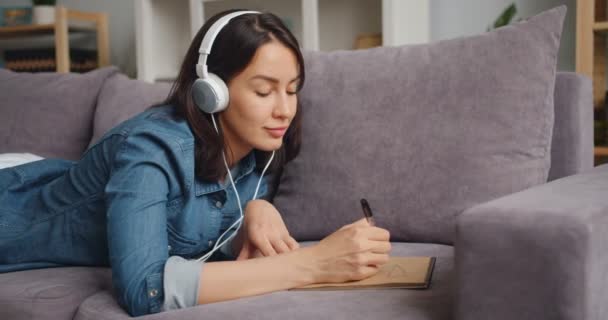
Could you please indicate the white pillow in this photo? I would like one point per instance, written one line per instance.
(14, 159)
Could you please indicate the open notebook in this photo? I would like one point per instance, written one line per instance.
(398, 272)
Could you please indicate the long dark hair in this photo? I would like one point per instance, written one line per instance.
(231, 52)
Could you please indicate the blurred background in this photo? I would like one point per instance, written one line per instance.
(339, 23)
(147, 39)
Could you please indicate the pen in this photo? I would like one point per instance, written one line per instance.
(367, 211)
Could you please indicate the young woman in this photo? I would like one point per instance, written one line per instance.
(154, 199)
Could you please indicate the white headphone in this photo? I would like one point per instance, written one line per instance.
(210, 94)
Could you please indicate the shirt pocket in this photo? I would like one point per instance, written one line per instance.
(180, 245)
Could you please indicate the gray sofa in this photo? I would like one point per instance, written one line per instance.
(472, 150)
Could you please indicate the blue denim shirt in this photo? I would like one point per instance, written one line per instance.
(131, 202)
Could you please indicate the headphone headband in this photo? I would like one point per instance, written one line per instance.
(210, 35)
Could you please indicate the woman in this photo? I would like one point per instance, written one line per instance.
(154, 193)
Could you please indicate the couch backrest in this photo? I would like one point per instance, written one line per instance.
(120, 98)
(572, 142)
(572, 137)
(48, 114)
(423, 131)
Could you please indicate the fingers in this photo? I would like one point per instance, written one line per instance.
(372, 239)
(292, 243)
(257, 254)
(365, 272)
(361, 222)
(245, 252)
(375, 233)
(265, 247)
(273, 246)
(280, 246)
(284, 245)
(376, 259)
(378, 234)
(380, 246)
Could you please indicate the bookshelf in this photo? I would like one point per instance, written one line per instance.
(164, 28)
(67, 21)
(591, 54)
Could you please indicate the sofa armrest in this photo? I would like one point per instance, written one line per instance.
(541, 253)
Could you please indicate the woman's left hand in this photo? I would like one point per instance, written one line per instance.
(263, 232)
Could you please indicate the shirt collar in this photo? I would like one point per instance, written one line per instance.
(244, 168)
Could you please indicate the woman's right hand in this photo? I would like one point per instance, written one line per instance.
(354, 252)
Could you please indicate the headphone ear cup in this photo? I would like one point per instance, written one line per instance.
(210, 94)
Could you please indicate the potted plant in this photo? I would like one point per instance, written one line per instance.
(43, 11)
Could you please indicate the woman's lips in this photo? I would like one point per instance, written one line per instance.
(276, 132)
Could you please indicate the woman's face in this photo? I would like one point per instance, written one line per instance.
(262, 100)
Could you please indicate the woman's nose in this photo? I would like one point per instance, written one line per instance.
(283, 107)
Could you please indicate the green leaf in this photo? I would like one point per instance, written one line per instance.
(506, 16)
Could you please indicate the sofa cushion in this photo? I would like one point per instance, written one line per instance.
(422, 131)
(54, 293)
(121, 98)
(48, 114)
(433, 303)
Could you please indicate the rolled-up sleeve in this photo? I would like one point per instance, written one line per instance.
(136, 197)
(181, 282)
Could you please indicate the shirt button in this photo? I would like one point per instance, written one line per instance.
(169, 247)
(153, 293)
(219, 204)
(210, 243)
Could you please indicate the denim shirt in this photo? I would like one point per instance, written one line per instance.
(131, 202)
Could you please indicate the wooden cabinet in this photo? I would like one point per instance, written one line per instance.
(88, 22)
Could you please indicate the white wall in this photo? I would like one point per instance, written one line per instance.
(405, 22)
(455, 18)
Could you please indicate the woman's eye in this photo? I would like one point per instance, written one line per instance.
(291, 93)
(262, 94)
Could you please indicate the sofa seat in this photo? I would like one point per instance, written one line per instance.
(434, 303)
(53, 293)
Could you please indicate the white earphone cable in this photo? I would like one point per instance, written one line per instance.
(240, 219)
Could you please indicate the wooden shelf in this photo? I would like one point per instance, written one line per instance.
(37, 29)
(601, 151)
(591, 43)
(600, 26)
(98, 22)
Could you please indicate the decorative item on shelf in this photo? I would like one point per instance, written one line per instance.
(368, 40)
(43, 60)
(15, 16)
(43, 11)
(505, 17)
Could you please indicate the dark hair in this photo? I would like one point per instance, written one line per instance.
(231, 52)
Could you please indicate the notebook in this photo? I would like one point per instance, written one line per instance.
(398, 272)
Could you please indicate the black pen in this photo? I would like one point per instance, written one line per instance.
(367, 211)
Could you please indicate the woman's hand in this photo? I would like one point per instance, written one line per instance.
(263, 232)
(353, 252)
